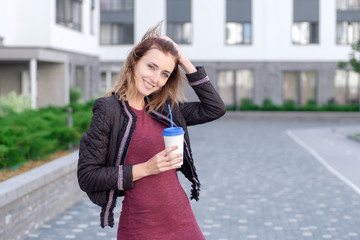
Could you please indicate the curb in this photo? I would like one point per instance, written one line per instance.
(296, 115)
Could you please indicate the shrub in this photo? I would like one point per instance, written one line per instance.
(35, 134)
(65, 135)
(340, 108)
(311, 102)
(268, 105)
(75, 95)
(3, 150)
(231, 108)
(247, 104)
(289, 105)
(14, 103)
(311, 105)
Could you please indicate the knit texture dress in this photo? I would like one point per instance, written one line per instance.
(157, 207)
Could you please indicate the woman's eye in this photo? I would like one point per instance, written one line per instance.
(151, 66)
(166, 75)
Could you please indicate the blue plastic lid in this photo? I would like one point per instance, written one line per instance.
(174, 131)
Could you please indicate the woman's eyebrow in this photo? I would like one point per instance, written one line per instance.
(154, 64)
(158, 67)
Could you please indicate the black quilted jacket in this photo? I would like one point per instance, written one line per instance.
(102, 170)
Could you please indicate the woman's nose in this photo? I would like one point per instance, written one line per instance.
(155, 76)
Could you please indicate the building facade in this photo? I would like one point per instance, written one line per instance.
(283, 50)
(255, 49)
(47, 47)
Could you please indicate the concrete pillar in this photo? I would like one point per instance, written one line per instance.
(86, 83)
(108, 80)
(67, 78)
(33, 81)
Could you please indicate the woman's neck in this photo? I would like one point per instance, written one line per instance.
(137, 102)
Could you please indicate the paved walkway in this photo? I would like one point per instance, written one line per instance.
(260, 180)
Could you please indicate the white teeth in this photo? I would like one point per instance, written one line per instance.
(148, 85)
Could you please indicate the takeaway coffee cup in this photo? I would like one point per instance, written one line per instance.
(174, 136)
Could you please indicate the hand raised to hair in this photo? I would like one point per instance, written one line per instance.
(183, 61)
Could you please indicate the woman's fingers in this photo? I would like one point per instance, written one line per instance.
(168, 161)
(170, 40)
(168, 165)
(168, 150)
(176, 161)
(163, 161)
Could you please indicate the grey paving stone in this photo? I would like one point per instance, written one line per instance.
(257, 183)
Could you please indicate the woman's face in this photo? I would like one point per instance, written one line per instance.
(152, 71)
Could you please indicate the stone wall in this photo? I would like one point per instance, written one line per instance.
(33, 198)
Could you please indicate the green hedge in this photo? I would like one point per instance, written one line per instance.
(35, 134)
(290, 105)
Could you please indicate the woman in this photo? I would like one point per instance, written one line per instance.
(123, 151)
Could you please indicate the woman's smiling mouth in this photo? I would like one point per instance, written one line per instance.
(148, 85)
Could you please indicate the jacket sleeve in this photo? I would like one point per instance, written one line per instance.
(209, 108)
(93, 172)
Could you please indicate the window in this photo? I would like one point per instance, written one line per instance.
(69, 13)
(305, 33)
(117, 5)
(299, 87)
(226, 87)
(347, 32)
(348, 21)
(305, 29)
(115, 34)
(103, 85)
(179, 25)
(238, 33)
(180, 32)
(347, 87)
(238, 22)
(117, 22)
(234, 86)
(92, 17)
(108, 79)
(348, 5)
(80, 78)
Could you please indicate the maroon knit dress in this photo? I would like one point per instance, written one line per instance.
(157, 207)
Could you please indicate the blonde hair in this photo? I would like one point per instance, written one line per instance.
(125, 87)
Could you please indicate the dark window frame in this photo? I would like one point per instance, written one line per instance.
(181, 40)
(112, 43)
(306, 12)
(347, 42)
(234, 81)
(347, 88)
(243, 35)
(298, 84)
(111, 9)
(179, 20)
(243, 15)
(65, 14)
(347, 8)
(312, 36)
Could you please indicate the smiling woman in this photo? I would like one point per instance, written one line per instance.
(163, 46)
(123, 152)
(151, 73)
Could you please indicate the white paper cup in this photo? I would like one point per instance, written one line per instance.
(174, 137)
